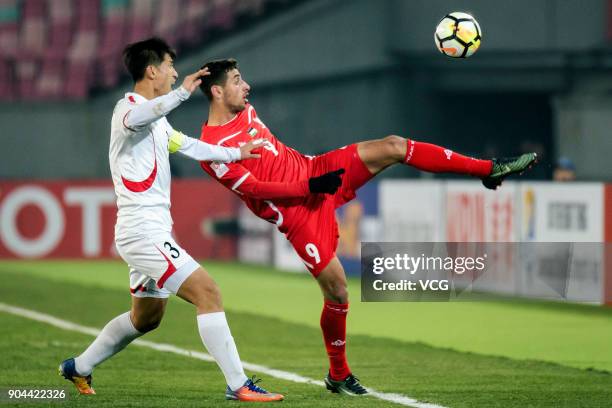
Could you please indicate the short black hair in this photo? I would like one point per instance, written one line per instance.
(218, 74)
(139, 55)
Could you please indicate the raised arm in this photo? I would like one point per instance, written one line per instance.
(156, 108)
(202, 151)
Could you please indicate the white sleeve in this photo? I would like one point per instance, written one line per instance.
(150, 111)
(201, 151)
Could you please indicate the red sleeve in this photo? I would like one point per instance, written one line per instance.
(237, 178)
(269, 190)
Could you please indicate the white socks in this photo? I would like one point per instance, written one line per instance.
(220, 344)
(214, 331)
(113, 338)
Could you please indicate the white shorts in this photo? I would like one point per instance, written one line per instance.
(158, 265)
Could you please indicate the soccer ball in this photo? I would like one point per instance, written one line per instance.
(458, 35)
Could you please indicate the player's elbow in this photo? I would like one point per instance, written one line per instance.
(252, 193)
(255, 191)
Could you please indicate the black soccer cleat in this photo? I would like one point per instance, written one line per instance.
(505, 167)
(349, 386)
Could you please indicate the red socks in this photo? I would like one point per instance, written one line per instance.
(333, 324)
(436, 159)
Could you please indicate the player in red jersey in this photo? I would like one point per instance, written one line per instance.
(300, 193)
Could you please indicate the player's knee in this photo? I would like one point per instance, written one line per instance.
(149, 322)
(209, 296)
(337, 291)
(149, 326)
(395, 146)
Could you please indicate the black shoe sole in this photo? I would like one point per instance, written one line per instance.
(331, 388)
(335, 390)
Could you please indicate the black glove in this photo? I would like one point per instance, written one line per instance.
(327, 183)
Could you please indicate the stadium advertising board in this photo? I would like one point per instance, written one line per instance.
(255, 244)
(411, 211)
(285, 257)
(554, 212)
(439, 271)
(61, 219)
(571, 215)
(358, 221)
(473, 214)
(565, 213)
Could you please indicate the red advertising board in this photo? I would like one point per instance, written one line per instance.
(70, 219)
(477, 215)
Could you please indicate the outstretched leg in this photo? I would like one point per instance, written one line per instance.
(202, 291)
(332, 281)
(380, 154)
(145, 315)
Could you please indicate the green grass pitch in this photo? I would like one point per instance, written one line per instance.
(478, 354)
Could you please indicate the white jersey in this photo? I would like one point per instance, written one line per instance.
(140, 143)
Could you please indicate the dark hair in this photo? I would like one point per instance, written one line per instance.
(139, 55)
(218, 74)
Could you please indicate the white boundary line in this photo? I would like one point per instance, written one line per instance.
(169, 348)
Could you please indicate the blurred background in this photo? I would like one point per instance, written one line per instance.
(324, 73)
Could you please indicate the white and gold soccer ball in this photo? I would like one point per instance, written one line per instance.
(458, 35)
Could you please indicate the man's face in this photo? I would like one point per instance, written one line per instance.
(235, 92)
(165, 76)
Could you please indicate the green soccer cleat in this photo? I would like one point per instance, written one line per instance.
(349, 386)
(504, 167)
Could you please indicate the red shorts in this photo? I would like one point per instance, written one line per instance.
(312, 228)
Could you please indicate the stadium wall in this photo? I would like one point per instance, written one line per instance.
(548, 219)
(75, 219)
(582, 123)
(380, 75)
(519, 25)
(55, 140)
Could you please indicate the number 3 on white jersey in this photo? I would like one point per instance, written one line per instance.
(312, 250)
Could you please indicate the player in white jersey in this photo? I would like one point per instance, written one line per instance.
(140, 143)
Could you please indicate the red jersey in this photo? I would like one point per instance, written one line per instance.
(275, 186)
(270, 185)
